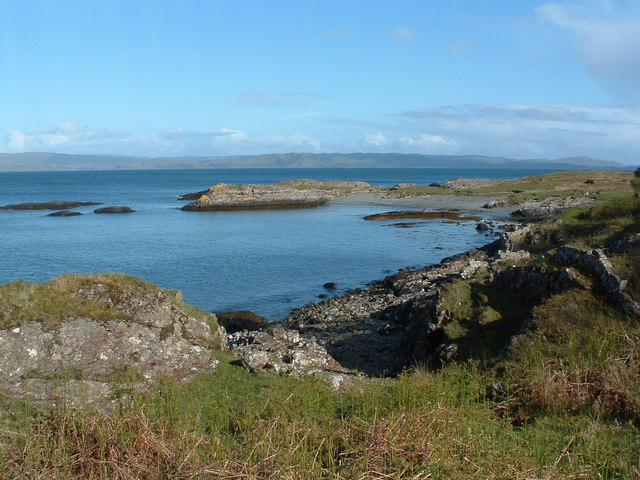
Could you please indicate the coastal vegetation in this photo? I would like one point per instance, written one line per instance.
(546, 384)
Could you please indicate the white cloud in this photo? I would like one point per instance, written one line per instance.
(400, 34)
(518, 131)
(377, 140)
(180, 134)
(607, 38)
(426, 141)
(526, 131)
(171, 142)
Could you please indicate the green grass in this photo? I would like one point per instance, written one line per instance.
(607, 185)
(239, 425)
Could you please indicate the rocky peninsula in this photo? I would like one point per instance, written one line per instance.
(302, 193)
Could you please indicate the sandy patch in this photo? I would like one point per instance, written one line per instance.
(429, 202)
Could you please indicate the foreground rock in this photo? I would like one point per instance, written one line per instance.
(290, 194)
(53, 205)
(286, 351)
(83, 339)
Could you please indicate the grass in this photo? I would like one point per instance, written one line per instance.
(81, 296)
(559, 400)
(606, 185)
(239, 425)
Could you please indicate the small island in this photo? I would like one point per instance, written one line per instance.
(290, 194)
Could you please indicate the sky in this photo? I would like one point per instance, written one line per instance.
(525, 79)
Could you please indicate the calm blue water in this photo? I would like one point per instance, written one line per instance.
(266, 261)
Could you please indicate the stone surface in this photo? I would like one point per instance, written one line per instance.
(147, 334)
(285, 351)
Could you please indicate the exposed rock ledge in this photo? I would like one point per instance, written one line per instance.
(289, 194)
(111, 330)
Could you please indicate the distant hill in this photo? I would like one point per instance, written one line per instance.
(61, 161)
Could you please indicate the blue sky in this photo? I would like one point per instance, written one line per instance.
(526, 79)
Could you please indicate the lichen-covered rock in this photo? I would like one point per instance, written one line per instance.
(109, 328)
(283, 351)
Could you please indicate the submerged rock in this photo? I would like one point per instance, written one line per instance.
(53, 205)
(424, 214)
(64, 213)
(114, 209)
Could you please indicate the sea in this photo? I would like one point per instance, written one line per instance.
(267, 261)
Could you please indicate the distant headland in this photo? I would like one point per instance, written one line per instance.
(37, 161)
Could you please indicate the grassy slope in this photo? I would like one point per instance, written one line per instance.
(607, 184)
(562, 402)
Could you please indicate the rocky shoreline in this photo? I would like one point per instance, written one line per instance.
(398, 323)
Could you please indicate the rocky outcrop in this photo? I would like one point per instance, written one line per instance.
(534, 281)
(53, 205)
(113, 333)
(549, 207)
(290, 194)
(241, 320)
(114, 209)
(286, 351)
(597, 263)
